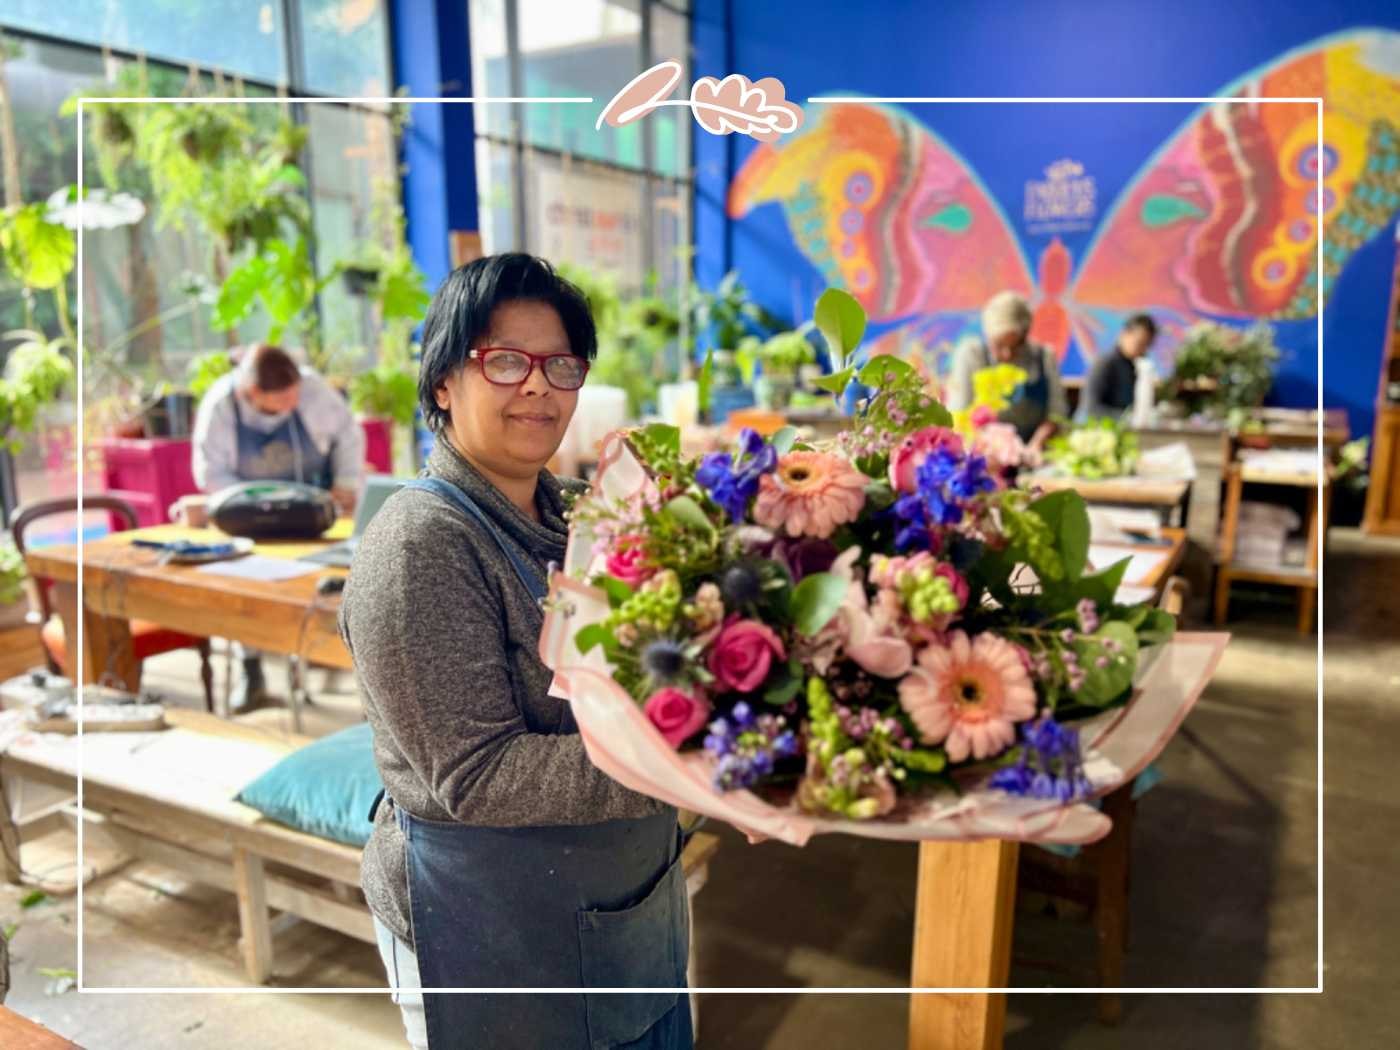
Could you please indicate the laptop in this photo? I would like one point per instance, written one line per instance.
(378, 488)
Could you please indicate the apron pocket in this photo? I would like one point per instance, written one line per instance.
(638, 947)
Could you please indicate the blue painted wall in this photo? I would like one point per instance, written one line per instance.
(1034, 48)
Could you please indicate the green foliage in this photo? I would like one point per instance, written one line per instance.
(385, 392)
(1219, 368)
(1100, 448)
(281, 281)
(207, 369)
(815, 600)
(12, 573)
(1067, 517)
(1105, 684)
(780, 355)
(37, 371)
(38, 252)
(841, 320)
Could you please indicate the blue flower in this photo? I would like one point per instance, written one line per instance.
(945, 484)
(1049, 765)
(732, 480)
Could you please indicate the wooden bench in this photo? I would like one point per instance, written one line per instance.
(173, 805)
(18, 1032)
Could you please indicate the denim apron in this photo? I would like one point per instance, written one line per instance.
(593, 906)
(284, 454)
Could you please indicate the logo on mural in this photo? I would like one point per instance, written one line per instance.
(1065, 201)
(722, 107)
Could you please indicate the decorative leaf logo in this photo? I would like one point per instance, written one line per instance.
(721, 107)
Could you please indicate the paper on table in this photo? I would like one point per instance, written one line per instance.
(255, 567)
(1141, 566)
(1113, 524)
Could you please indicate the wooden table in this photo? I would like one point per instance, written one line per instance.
(1164, 494)
(123, 582)
(963, 918)
(18, 1032)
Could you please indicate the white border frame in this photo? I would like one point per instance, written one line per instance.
(830, 100)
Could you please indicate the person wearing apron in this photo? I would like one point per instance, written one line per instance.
(500, 857)
(269, 420)
(1006, 325)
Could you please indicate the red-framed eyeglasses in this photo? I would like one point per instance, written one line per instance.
(507, 366)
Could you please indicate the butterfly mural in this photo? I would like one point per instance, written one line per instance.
(1221, 222)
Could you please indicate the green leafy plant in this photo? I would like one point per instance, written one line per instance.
(207, 369)
(1219, 368)
(282, 282)
(37, 371)
(780, 355)
(12, 574)
(1100, 448)
(385, 392)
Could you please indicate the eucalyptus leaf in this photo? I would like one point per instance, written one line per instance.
(1103, 685)
(837, 382)
(617, 591)
(841, 320)
(873, 373)
(1068, 517)
(783, 439)
(815, 601)
(593, 635)
(688, 513)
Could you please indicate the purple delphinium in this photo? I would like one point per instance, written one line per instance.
(945, 484)
(1049, 766)
(747, 746)
(732, 480)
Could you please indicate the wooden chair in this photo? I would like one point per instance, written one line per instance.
(147, 639)
(1097, 877)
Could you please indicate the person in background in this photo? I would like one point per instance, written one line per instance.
(1111, 385)
(271, 420)
(1006, 325)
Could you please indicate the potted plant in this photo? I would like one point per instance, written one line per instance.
(1219, 368)
(782, 356)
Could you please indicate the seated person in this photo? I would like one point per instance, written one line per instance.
(1112, 381)
(270, 420)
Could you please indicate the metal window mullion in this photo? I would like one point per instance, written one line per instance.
(515, 65)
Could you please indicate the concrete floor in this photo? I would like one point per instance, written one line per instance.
(1225, 883)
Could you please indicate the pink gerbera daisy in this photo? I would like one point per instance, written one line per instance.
(810, 494)
(968, 695)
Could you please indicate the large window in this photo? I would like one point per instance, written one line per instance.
(139, 273)
(548, 182)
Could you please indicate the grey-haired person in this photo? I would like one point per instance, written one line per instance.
(1005, 339)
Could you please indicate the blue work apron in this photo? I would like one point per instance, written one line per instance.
(591, 906)
(284, 454)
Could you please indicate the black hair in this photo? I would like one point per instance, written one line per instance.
(460, 315)
(1143, 321)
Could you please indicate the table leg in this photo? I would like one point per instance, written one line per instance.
(250, 885)
(106, 641)
(962, 939)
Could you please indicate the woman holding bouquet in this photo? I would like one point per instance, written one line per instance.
(500, 856)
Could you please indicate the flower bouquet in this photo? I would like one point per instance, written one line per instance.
(1100, 448)
(874, 634)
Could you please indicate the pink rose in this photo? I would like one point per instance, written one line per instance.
(910, 454)
(677, 714)
(743, 653)
(981, 416)
(627, 561)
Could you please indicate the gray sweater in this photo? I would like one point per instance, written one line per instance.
(445, 642)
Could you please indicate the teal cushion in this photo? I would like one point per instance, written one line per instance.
(325, 788)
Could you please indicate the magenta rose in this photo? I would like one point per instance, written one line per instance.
(677, 714)
(910, 453)
(627, 561)
(743, 653)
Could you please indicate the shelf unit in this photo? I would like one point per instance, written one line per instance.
(1303, 578)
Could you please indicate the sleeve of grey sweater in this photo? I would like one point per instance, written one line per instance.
(430, 648)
